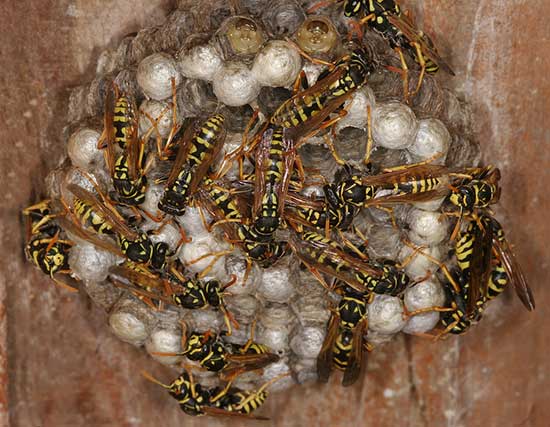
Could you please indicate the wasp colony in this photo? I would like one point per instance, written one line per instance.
(263, 196)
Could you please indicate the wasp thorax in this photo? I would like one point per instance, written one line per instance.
(317, 35)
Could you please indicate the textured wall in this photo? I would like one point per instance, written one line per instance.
(59, 365)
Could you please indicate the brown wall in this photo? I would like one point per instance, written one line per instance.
(59, 364)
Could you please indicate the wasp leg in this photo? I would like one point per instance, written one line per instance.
(222, 221)
(214, 255)
(241, 151)
(389, 211)
(422, 63)
(330, 65)
(411, 165)
(370, 141)
(223, 392)
(163, 153)
(352, 246)
(341, 114)
(63, 284)
(411, 256)
(318, 276)
(300, 82)
(437, 262)
(367, 18)
(229, 320)
(333, 151)
(404, 71)
(428, 310)
(161, 216)
(183, 235)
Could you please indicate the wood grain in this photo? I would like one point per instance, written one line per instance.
(65, 368)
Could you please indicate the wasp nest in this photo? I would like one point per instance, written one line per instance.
(232, 62)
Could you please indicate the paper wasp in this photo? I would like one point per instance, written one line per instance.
(192, 398)
(121, 128)
(241, 402)
(92, 218)
(505, 260)
(323, 213)
(401, 32)
(323, 255)
(274, 159)
(198, 147)
(196, 400)
(344, 343)
(177, 290)
(398, 28)
(486, 259)
(45, 248)
(223, 205)
(305, 113)
(485, 265)
(215, 354)
(408, 184)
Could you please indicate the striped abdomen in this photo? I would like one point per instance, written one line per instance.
(205, 140)
(91, 218)
(129, 191)
(204, 146)
(414, 186)
(497, 281)
(342, 349)
(124, 121)
(176, 196)
(223, 200)
(464, 250)
(273, 168)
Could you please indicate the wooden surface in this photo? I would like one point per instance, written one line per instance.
(59, 364)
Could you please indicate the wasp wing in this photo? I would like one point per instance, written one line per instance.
(81, 233)
(324, 359)
(480, 264)
(403, 175)
(261, 167)
(109, 129)
(239, 363)
(355, 361)
(110, 215)
(515, 273)
(414, 35)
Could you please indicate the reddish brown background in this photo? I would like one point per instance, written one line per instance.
(59, 365)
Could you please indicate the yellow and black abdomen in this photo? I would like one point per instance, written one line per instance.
(191, 169)
(464, 248)
(497, 281)
(130, 192)
(90, 218)
(124, 121)
(342, 349)
(417, 185)
(273, 168)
